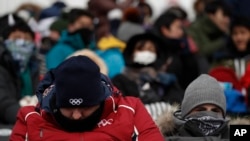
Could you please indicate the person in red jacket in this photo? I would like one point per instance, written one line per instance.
(77, 102)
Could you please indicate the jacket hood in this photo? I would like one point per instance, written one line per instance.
(108, 42)
(46, 90)
(170, 120)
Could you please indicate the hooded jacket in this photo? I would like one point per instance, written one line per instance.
(67, 45)
(135, 77)
(123, 118)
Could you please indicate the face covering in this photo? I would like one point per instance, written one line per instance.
(81, 125)
(205, 123)
(86, 35)
(21, 51)
(144, 57)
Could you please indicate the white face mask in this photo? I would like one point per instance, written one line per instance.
(144, 57)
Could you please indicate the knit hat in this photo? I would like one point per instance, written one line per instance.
(78, 83)
(203, 90)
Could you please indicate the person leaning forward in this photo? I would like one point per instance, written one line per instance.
(77, 102)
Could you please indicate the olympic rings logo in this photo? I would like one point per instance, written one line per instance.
(75, 101)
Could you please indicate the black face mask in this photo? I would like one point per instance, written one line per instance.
(82, 125)
(86, 35)
(205, 123)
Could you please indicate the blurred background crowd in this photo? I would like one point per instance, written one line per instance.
(150, 49)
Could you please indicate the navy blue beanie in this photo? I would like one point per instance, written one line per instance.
(78, 83)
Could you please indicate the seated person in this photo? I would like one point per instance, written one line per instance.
(77, 102)
(202, 115)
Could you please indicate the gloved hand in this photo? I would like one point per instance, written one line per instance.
(28, 101)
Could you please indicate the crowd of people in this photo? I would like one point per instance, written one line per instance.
(72, 73)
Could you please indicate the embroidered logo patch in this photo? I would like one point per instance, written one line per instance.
(75, 101)
(47, 90)
(105, 122)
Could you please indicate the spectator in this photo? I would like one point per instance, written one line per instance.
(78, 35)
(144, 75)
(77, 102)
(235, 54)
(210, 31)
(19, 67)
(56, 29)
(146, 13)
(202, 115)
(180, 47)
(101, 10)
(199, 8)
(131, 24)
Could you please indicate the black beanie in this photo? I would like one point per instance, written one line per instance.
(78, 83)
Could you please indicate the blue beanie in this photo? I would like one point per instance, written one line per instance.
(78, 83)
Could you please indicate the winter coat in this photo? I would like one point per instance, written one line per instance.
(230, 56)
(231, 65)
(11, 85)
(149, 82)
(208, 37)
(183, 58)
(110, 50)
(123, 118)
(172, 126)
(66, 45)
(182, 61)
(161, 86)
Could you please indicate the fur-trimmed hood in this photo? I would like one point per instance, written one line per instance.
(170, 120)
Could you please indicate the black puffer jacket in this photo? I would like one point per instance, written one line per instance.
(10, 84)
(9, 88)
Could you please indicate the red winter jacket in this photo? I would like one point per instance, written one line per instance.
(122, 119)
